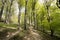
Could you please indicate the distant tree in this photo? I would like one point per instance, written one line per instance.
(33, 11)
(19, 14)
(6, 15)
(9, 15)
(25, 16)
(21, 3)
(47, 4)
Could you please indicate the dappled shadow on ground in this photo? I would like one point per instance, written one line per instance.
(38, 35)
(17, 37)
(4, 32)
(45, 36)
(31, 34)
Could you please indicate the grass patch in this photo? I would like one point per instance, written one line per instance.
(8, 25)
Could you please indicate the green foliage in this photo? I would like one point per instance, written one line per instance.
(8, 25)
(21, 2)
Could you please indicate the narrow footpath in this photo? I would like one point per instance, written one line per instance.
(35, 35)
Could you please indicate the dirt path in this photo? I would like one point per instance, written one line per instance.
(33, 35)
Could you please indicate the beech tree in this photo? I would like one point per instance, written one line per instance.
(47, 4)
(2, 8)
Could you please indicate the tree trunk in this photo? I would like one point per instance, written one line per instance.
(52, 31)
(9, 15)
(31, 18)
(6, 16)
(2, 8)
(49, 20)
(37, 21)
(25, 16)
(19, 18)
(34, 15)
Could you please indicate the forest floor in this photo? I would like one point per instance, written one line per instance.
(31, 34)
(38, 35)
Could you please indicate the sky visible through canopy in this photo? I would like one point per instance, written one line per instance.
(23, 9)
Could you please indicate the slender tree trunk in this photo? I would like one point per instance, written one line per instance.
(49, 20)
(34, 15)
(37, 21)
(2, 8)
(6, 16)
(52, 31)
(48, 15)
(31, 18)
(1, 13)
(19, 18)
(25, 16)
(9, 15)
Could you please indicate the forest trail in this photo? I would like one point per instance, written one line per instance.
(7, 33)
(33, 35)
